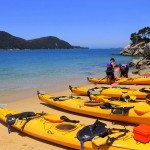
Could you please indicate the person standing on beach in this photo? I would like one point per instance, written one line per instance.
(110, 71)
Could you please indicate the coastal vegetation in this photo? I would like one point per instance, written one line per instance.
(8, 41)
(143, 35)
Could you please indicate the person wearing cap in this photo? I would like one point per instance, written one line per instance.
(110, 71)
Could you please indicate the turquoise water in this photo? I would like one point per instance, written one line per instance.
(52, 69)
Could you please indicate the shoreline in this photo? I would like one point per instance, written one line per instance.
(10, 97)
(16, 95)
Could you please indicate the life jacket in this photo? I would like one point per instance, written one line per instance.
(124, 67)
(109, 67)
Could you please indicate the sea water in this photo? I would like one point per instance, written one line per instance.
(52, 69)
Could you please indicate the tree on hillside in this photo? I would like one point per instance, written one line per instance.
(144, 32)
(135, 38)
(148, 33)
(143, 35)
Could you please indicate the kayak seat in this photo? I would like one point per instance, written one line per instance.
(90, 131)
(60, 98)
(10, 119)
(106, 105)
(144, 90)
(98, 89)
(113, 98)
(121, 109)
(122, 98)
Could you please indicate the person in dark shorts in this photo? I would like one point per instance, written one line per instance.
(110, 71)
(124, 69)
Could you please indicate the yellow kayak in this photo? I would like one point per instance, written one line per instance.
(111, 92)
(126, 81)
(137, 113)
(51, 127)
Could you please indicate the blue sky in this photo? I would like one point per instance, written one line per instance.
(89, 23)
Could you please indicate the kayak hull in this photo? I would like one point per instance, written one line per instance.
(77, 105)
(122, 81)
(43, 129)
(46, 130)
(110, 92)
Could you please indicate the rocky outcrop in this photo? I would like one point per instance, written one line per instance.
(133, 50)
(140, 46)
(127, 51)
(141, 65)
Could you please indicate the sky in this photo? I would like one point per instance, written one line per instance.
(86, 23)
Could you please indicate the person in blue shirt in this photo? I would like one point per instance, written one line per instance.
(110, 71)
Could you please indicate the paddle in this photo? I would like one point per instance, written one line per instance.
(102, 79)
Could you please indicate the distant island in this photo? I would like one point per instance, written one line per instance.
(8, 41)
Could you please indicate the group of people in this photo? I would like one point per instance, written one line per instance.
(122, 68)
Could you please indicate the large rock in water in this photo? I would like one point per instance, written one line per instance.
(140, 49)
(141, 65)
(126, 51)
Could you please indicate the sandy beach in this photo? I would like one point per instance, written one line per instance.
(20, 141)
